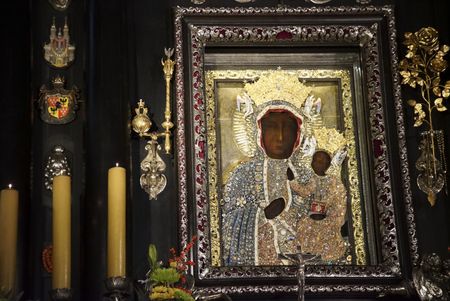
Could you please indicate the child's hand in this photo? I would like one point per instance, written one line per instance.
(290, 174)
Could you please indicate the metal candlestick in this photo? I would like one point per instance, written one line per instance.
(61, 294)
(117, 288)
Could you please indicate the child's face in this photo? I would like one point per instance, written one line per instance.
(320, 162)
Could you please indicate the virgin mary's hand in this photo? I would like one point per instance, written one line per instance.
(274, 208)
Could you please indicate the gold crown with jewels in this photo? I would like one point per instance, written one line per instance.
(58, 81)
(277, 85)
(329, 139)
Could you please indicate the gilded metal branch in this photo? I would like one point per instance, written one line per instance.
(422, 66)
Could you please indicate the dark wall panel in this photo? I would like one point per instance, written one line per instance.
(45, 136)
(433, 223)
(15, 121)
(107, 133)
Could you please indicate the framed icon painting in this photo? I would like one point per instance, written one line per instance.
(290, 140)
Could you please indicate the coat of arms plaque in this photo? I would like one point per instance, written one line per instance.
(58, 105)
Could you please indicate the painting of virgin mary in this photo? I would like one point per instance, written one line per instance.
(261, 213)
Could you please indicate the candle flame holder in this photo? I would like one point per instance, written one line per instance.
(153, 180)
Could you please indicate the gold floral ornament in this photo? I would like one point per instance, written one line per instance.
(421, 69)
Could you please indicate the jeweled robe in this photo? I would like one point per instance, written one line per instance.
(248, 237)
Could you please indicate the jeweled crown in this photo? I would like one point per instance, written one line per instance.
(277, 85)
(329, 139)
(58, 81)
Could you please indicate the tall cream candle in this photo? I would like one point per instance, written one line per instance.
(9, 206)
(61, 232)
(116, 222)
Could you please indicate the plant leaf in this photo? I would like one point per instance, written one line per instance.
(152, 255)
(165, 275)
(447, 84)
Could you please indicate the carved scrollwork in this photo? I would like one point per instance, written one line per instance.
(153, 180)
(57, 165)
(198, 2)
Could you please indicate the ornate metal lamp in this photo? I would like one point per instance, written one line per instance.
(153, 180)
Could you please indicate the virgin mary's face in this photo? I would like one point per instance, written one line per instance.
(279, 132)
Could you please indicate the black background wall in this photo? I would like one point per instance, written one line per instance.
(119, 47)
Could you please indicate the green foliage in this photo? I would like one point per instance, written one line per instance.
(182, 295)
(165, 276)
(165, 283)
(152, 256)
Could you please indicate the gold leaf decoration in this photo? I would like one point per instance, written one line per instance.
(419, 115)
(447, 84)
(439, 106)
(438, 64)
(409, 78)
(436, 81)
(244, 134)
(421, 69)
(445, 93)
(437, 91)
(411, 102)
